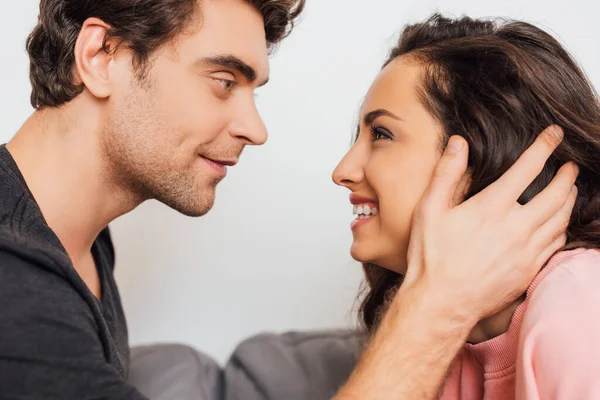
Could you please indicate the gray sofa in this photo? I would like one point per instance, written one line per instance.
(290, 366)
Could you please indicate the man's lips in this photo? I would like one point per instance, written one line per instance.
(219, 166)
(229, 163)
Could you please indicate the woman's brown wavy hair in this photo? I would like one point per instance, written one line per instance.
(498, 84)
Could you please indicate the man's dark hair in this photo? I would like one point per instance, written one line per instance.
(141, 25)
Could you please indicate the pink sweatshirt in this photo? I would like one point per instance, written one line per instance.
(551, 350)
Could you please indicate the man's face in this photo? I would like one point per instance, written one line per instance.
(171, 135)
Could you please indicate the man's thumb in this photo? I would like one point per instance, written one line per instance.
(448, 172)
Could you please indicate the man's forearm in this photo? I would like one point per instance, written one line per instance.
(409, 355)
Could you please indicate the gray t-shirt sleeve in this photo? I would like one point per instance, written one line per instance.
(49, 343)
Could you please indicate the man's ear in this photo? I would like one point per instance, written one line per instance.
(92, 62)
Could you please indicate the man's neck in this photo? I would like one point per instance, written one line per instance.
(59, 154)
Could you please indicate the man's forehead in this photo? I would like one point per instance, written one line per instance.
(233, 26)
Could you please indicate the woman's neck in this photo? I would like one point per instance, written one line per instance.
(495, 325)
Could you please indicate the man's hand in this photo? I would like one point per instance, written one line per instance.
(482, 254)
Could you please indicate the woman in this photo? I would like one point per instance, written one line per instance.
(495, 84)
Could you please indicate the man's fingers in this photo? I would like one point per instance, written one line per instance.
(461, 190)
(550, 200)
(509, 187)
(548, 252)
(556, 227)
(448, 173)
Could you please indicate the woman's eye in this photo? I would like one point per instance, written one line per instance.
(380, 133)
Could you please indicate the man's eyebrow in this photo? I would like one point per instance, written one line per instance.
(231, 62)
(373, 115)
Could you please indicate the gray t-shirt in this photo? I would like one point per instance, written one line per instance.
(57, 340)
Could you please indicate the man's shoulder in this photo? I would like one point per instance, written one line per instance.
(13, 197)
(24, 251)
(24, 235)
(27, 267)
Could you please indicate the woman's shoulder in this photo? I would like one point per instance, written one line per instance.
(567, 287)
(579, 267)
(558, 341)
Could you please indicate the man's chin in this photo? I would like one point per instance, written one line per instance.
(195, 210)
(192, 207)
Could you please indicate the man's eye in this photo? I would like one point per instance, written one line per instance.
(227, 85)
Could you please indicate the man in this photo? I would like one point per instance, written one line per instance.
(153, 100)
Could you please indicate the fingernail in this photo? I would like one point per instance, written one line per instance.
(574, 189)
(455, 145)
(557, 131)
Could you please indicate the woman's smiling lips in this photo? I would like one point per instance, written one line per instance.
(364, 208)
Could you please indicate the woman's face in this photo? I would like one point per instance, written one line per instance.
(390, 165)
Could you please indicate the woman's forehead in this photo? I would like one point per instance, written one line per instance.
(394, 89)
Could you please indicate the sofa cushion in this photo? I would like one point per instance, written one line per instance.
(291, 366)
(175, 372)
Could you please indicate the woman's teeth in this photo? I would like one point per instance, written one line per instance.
(364, 211)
